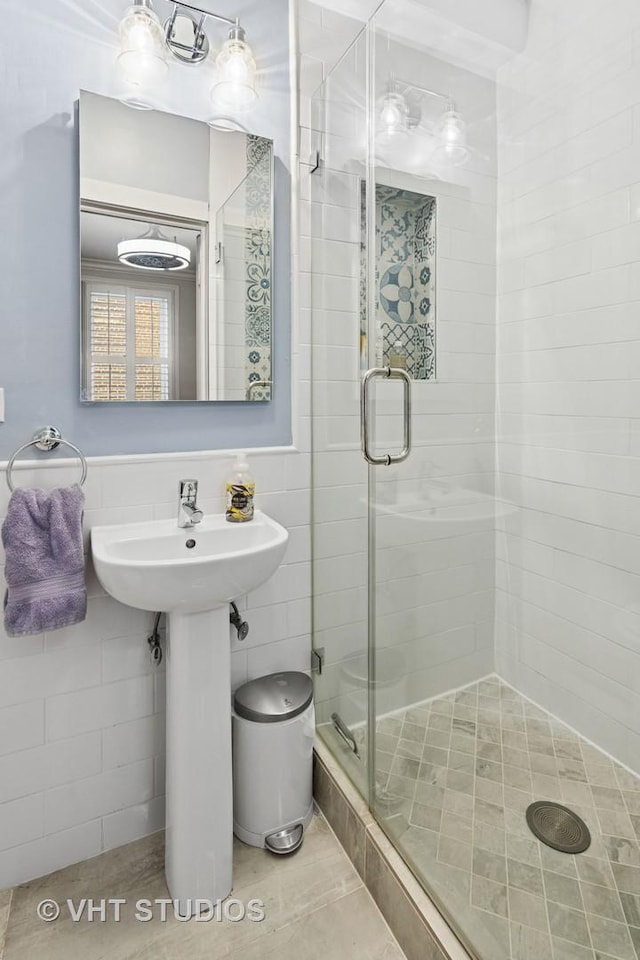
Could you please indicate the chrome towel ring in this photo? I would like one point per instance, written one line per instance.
(47, 439)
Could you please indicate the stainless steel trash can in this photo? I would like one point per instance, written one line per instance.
(273, 732)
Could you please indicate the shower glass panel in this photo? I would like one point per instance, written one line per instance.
(341, 556)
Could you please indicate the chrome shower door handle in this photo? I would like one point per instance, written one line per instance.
(385, 373)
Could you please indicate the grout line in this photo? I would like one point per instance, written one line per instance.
(569, 727)
(437, 696)
(474, 820)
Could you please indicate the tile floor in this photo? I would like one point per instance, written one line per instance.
(456, 775)
(316, 908)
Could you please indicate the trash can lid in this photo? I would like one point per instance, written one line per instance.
(276, 697)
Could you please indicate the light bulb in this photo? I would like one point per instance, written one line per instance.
(234, 89)
(452, 128)
(142, 64)
(453, 137)
(393, 114)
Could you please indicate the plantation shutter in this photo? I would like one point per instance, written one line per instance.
(108, 344)
(129, 340)
(151, 320)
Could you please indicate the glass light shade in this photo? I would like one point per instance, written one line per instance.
(142, 63)
(453, 137)
(235, 86)
(393, 114)
(226, 125)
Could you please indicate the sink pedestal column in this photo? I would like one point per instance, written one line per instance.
(199, 834)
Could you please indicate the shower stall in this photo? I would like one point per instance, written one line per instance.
(473, 200)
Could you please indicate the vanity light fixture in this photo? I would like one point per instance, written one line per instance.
(154, 252)
(144, 41)
(450, 132)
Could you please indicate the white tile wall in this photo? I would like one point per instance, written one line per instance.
(82, 710)
(568, 575)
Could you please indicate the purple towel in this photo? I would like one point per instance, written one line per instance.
(42, 537)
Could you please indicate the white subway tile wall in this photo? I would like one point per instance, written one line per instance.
(82, 710)
(568, 547)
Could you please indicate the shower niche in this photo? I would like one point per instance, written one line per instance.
(405, 281)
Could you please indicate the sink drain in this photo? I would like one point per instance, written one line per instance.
(558, 827)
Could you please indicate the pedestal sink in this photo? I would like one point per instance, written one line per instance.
(193, 574)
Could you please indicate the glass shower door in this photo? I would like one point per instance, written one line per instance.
(332, 215)
(430, 243)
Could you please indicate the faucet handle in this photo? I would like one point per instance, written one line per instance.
(188, 490)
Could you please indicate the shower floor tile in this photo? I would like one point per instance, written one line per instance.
(455, 776)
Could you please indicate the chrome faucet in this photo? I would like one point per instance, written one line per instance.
(188, 512)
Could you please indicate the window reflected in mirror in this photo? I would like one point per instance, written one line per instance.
(139, 323)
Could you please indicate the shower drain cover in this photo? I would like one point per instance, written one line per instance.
(558, 827)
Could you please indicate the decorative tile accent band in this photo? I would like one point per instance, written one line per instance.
(258, 268)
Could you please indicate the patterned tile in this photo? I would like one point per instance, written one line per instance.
(404, 281)
(464, 768)
(257, 243)
(416, 342)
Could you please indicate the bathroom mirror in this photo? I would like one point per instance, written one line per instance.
(405, 282)
(176, 242)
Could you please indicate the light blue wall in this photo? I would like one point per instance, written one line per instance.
(55, 51)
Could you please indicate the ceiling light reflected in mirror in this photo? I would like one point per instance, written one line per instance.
(153, 251)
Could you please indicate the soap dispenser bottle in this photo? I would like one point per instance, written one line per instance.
(398, 356)
(241, 488)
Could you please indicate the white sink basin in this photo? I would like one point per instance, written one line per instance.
(439, 505)
(156, 565)
(192, 574)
